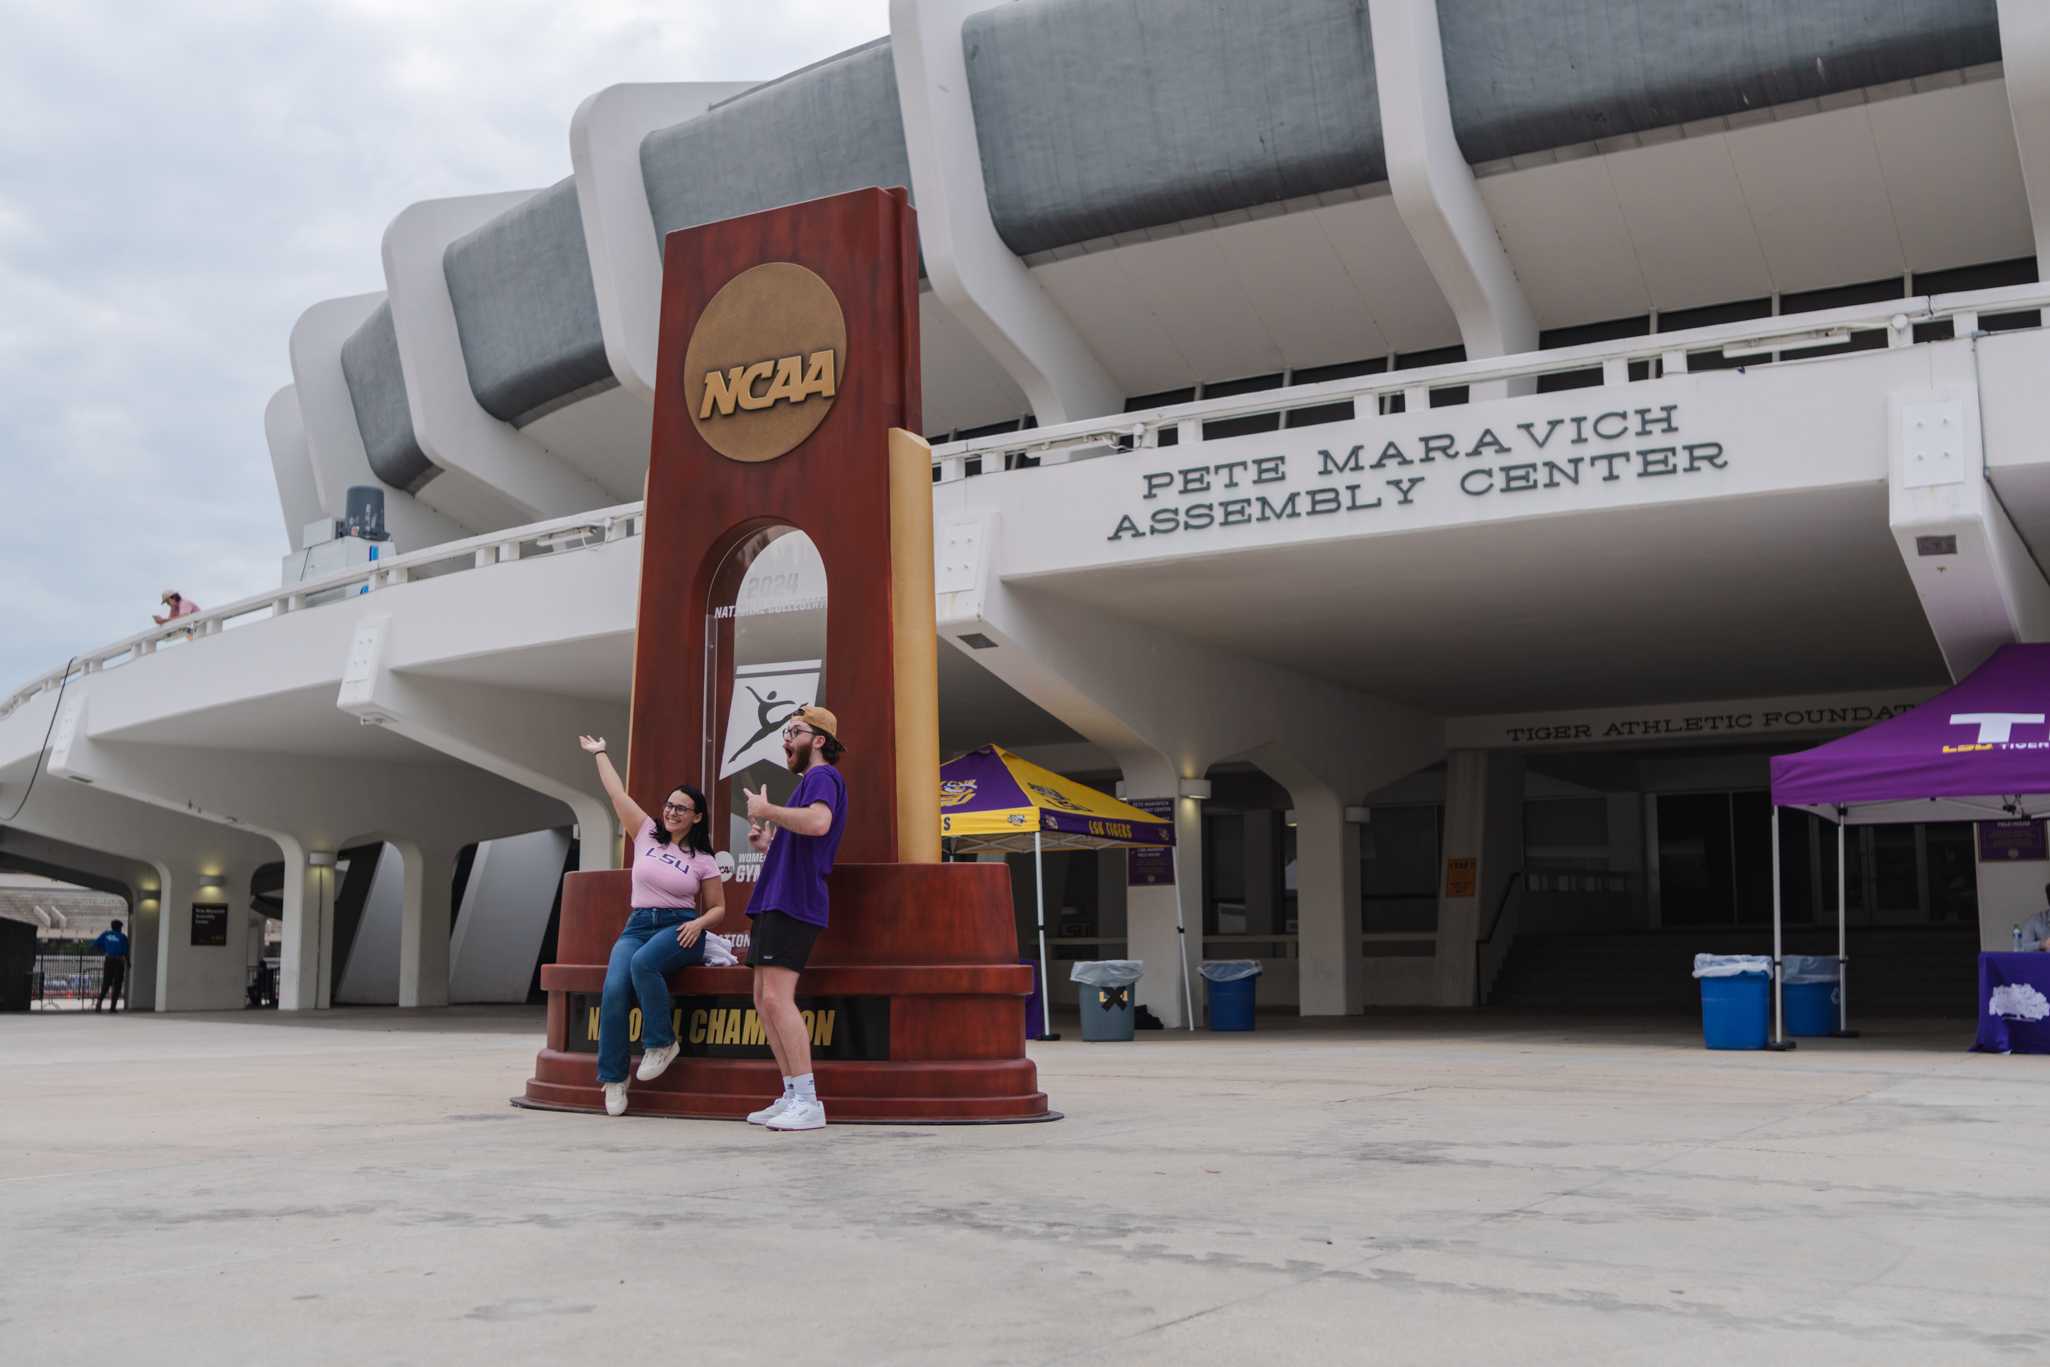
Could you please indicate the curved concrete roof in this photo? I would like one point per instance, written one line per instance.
(525, 308)
(1096, 119)
(827, 129)
(377, 391)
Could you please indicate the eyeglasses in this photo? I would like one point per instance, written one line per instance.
(793, 732)
(677, 807)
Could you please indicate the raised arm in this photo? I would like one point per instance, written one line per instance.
(630, 814)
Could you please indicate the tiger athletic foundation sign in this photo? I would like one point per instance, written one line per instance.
(1813, 715)
(1495, 462)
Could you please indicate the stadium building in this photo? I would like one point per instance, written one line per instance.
(1441, 449)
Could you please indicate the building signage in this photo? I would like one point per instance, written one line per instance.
(1682, 721)
(1152, 867)
(209, 925)
(2000, 841)
(1461, 877)
(727, 1027)
(1497, 462)
(765, 362)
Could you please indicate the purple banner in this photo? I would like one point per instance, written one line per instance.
(1151, 868)
(2003, 840)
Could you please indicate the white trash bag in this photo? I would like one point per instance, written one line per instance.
(1730, 965)
(1107, 972)
(1810, 968)
(1230, 970)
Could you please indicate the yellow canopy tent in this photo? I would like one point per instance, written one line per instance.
(991, 800)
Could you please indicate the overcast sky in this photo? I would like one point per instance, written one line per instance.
(179, 181)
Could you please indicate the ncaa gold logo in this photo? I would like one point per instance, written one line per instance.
(765, 364)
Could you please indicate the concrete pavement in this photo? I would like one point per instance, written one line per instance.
(353, 1188)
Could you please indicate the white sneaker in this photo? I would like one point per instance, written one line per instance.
(656, 1062)
(803, 1113)
(615, 1098)
(772, 1110)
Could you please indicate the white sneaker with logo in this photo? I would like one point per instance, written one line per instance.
(803, 1113)
(772, 1110)
(656, 1061)
(615, 1098)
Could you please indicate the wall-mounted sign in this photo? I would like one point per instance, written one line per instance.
(209, 924)
(727, 1027)
(2000, 841)
(1581, 451)
(1691, 721)
(1461, 877)
(765, 362)
(1152, 867)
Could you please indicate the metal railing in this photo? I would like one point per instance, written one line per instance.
(1757, 341)
(1760, 338)
(555, 537)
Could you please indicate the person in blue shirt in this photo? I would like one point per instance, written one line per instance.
(113, 943)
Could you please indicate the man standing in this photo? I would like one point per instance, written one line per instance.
(788, 907)
(113, 943)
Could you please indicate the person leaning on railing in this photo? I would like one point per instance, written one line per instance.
(176, 605)
(674, 874)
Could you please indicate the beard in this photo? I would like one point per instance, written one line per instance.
(796, 758)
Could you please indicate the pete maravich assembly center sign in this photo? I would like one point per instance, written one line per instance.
(1241, 492)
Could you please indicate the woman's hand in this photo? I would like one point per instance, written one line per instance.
(687, 934)
(593, 745)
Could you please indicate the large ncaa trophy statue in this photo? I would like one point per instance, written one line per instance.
(787, 399)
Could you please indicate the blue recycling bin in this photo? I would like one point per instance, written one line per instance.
(1228, 984)
(1810, 991)
(1035, 1009)
(1736, 1011)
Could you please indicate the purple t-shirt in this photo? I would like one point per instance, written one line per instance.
(793, 876)
(669, 876)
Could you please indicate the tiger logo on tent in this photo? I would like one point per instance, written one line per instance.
(957, 792)
(1056, 798)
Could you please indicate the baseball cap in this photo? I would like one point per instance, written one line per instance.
(819, 719)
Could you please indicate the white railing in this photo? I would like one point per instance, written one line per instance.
(554, 537)
(1762, 338)
(1757, 340)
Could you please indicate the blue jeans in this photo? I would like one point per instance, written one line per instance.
(645, 953)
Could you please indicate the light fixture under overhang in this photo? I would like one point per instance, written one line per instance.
(1196, 788)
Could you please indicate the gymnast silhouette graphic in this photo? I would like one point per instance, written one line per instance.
(764, 707)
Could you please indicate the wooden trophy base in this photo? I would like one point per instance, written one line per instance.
(914, 998)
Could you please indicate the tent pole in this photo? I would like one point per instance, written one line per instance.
(1779, 1031)
(1843, 953)
(1181, 938)
(1039, 902)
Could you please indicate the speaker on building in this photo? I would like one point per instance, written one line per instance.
(364, 511)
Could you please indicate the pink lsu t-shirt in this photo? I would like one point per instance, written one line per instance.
(668, 875)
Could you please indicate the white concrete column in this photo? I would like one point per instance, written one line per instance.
(1327, 906)
(192, 977)
(2025, 71)
(979, 279)
(1483, 823)
(145, 934)
(424, 931)
(1151, 933)
(1434, 189)
(306, 967)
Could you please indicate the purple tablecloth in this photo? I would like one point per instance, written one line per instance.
(2011, 1032)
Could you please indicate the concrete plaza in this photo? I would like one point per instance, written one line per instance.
(353, 1188)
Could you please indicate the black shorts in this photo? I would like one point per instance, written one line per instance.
(780, 941)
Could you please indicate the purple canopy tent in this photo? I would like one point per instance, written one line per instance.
(1977, 751)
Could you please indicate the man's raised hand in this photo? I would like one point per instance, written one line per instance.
(593, 745)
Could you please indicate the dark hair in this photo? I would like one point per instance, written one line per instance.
(117, 923)
(831, 748)
(699, 836)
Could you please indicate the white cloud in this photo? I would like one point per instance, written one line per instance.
(183, 180)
